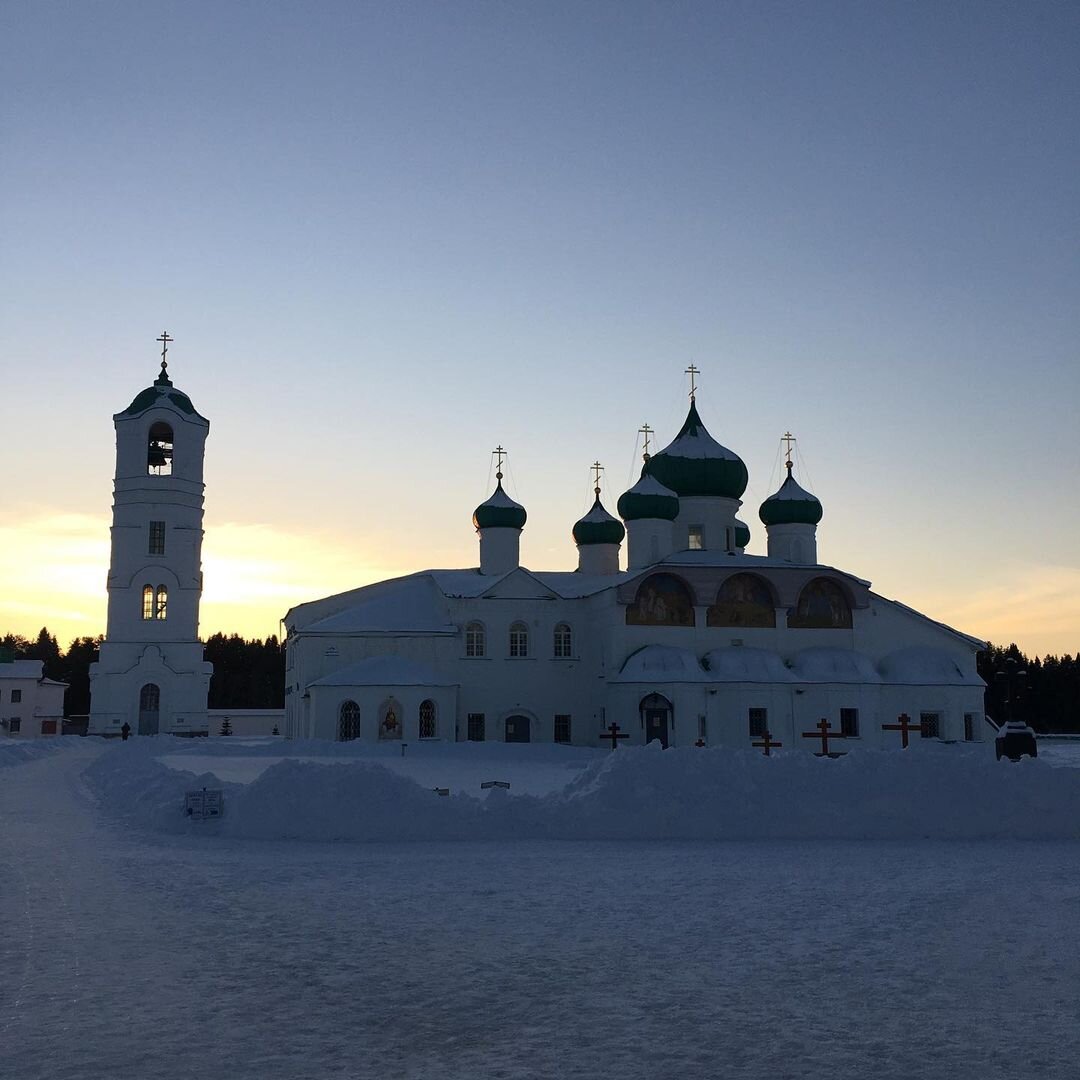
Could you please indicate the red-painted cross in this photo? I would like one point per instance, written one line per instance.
(613, 733)
(766, 743)
(903, 727)
(824, 734)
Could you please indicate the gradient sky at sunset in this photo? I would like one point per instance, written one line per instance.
(388, 236)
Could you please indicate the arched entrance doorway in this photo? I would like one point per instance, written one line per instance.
(149, 709)
(517, 729)
(656, 716)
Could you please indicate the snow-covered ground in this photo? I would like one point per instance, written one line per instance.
(137, 944)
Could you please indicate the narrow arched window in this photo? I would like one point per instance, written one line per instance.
(474, 639)
(148, 602)
(150, 698)
(564, 642)
(159, 450)
(427, 719)
(348, 721)
(161, 602)
(519, 639)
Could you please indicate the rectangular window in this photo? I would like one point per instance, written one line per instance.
(48, 727)
(474, 639)
(562, 727)
(930, 725)
(476, 727)
(759, 722)
(849, 723)
(16, 697)
(696, 538)
(15, 725)
(969, 727)
(157, 537)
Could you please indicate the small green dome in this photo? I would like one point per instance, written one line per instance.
(742, 533)
(500, 511)
(694, 463)
(598, 527)
(161, 393)
(791, 505)
(648, 498)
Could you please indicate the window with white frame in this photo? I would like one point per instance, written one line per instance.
(427, 719)
(161, 602)
(519, 639)
(475, 639)
(695, 540)
(564, 642)
(148, 602)
(16, 697)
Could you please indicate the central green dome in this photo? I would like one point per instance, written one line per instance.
(499, 511)
(695, 464)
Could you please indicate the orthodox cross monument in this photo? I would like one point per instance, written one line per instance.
(150, 671)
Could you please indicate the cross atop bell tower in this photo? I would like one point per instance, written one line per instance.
(163, 379)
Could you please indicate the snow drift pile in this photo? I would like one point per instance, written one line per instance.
(636, 793)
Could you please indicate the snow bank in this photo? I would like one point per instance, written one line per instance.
(635, 793)
(15, 751)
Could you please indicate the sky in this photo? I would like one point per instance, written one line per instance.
(387, 237)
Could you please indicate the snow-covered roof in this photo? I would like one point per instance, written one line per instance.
(740, 663)
(22, 669)
(384, 671)
(661, 664)
(402, 606)
(832, 665)
(923, 666)
(975, 642)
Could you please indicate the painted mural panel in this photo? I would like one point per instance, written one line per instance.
(743, 600)
(662, 600)
(822, 606)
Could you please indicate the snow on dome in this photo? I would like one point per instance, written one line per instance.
(831, 665)
(648, 498)
(791, 505)
(694, 463)
(746, 664)
(384, 671)
(499, 511)
(598, 527)
(923, 666)
(663, 664)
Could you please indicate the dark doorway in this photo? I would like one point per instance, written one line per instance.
(517, 729)
(656, 714)
(149, 709)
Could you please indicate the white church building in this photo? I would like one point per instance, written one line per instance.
(695, 643)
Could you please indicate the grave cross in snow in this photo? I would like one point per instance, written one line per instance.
(613, 733)
(903, 727)
(824, 734)
(767, 743)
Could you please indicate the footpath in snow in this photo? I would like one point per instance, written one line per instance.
(319, 791)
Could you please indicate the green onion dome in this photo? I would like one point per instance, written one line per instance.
(742, 533)
(499, 511)
(791, 505)
(598, 527)
(694, 463)
(648, 498)
(161, 393)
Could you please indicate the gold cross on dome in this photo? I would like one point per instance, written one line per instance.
(164, 339)
(692, 372)
(597, 469)
(787, 439)
(500, 453)
(646, 431)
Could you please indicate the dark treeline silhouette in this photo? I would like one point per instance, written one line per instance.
(251, 674)
(247, 674)
(1047, 697)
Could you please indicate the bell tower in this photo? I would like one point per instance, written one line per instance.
(150, 672)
